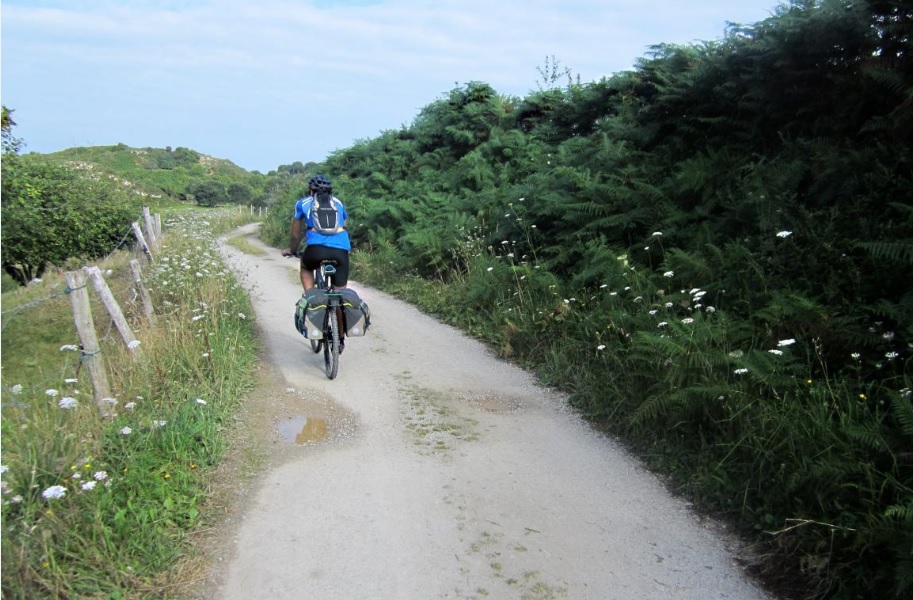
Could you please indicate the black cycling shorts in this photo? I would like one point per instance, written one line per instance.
(314, 255)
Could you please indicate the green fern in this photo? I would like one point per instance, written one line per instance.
(902, 408)
(899, 252)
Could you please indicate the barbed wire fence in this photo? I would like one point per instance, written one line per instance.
(76, 288)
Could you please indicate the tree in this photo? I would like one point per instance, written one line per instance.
(208, 192)
(11, 145)
(239, 193)
(51, 213)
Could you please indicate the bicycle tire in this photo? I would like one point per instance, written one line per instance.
(316, 345)
(331, 343)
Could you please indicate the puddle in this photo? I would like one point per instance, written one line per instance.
(303, 430)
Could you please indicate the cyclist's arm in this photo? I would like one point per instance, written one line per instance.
(294, 238)
(296, 234)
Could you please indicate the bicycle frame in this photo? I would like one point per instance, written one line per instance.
(323, 279)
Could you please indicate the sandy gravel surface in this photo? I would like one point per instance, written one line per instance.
(430, 469)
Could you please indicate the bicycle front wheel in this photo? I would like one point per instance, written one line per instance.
(331, 343)
(316, 345)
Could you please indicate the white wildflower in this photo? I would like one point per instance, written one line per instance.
(788, 342)
(687, 320)
(777, 352)
(68, 402)
(669, 274)
(88, 485)
(740, 371)
(126, 431)
(51, 393)
(784, 234)
(70, 347)
(54, 492)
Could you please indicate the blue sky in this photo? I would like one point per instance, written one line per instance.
(272, 82)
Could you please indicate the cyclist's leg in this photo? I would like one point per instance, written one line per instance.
(341, 279)
(307, 277)
(310, 261)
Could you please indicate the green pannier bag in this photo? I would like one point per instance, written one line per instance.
(310, 314)
(356, 313)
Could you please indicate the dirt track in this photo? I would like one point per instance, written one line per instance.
(430, 469)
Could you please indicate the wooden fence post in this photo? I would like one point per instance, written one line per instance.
(150, 230)
(141, 239)
(158, 225)
(113, 309)
(82, 314)
(137, 271)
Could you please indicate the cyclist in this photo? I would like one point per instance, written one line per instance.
(321, 244)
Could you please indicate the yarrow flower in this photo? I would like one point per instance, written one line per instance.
(54, 492)
(600, 347)
(71, 347)
(126, 431)
(788, 342)
(687, 320)
(100, 475)
(200, 401)
(17, 388)
(51, 393)
(657, 233)
(88, 485)
(662, 324)
(784, 234)
(777, 352)
(133, 344)
(669, 274)
(490, 269)
(740, 371)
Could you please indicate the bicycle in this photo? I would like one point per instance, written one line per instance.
(331, 343)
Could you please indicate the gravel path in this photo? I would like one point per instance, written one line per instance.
(430, 469)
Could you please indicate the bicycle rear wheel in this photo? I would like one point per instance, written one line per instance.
(331, 343)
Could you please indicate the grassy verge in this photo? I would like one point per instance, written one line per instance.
(814, 468)
(97, 507)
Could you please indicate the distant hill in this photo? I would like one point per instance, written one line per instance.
(155, 172)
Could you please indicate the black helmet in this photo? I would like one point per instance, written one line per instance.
(320, 184)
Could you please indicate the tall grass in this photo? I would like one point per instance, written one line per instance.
(97, 507)
(814, 466)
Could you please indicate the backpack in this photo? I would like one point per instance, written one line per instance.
(325, 214)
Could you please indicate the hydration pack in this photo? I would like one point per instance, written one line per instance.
(325, 214)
